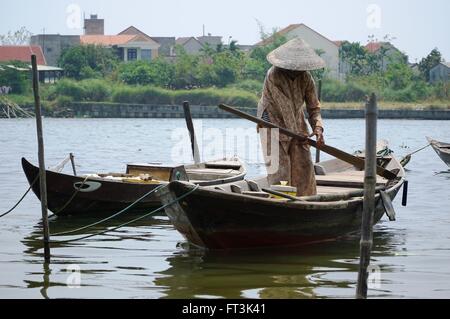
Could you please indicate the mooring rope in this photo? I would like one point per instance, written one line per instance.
(405, 160)
(77, 190)
(21, 199)
(129, 222)
(58, 168)
(110, 217)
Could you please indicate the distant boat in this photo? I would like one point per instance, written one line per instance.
(442, 149)
(246, 214)
(109, 193)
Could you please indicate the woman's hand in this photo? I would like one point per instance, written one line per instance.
(318, 132)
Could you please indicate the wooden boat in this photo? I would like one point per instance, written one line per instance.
(240, 215)
(442, 149)
(109, 193)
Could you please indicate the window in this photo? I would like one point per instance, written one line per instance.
(146, 55)
(132, 54)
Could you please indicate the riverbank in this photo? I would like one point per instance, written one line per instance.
(335, 111)
(438, 110)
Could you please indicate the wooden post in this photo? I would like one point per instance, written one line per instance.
(190, 126)
(369, 196)
(72, 161)
(42, 174)
(319, 96)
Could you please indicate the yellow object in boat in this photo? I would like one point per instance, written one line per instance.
(284, 188)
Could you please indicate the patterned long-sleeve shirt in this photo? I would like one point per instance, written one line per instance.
(284, 100)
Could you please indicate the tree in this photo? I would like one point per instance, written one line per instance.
(398, 75)
(185, 76)
(16, 79)
(19, 37)
(356, 57)
(426, 64)
(88, 61)
(157, 72)
(257, 65)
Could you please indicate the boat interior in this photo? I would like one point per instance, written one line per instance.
(209, 171)
(335, 180)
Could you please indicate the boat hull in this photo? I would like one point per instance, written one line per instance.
(442, 150)
(109, 197)
(218, 220)
(102, 196)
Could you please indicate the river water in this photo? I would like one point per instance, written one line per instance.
(151, 260)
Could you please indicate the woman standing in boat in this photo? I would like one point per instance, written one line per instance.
(288, 87)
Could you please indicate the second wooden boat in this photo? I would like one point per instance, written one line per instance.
(111, 192)
(442, 149)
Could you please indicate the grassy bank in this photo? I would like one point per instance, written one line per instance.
(245, 94)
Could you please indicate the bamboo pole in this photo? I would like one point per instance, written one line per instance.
(42, 174)
(190, 126)
(72, 161)
(369, 196)
(319, 96)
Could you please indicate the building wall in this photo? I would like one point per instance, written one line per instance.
(439, 73)
(316, 41)
(54, 44)
(192, 46)
(167, 45)
(94, 26)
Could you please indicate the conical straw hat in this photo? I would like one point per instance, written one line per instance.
(296, 55)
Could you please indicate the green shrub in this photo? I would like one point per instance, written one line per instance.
(19, 81)
(96, 90)
(335, 91)
(210, 96)
(252, 86)
(70, 88)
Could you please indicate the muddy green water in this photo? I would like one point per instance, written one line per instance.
(151, 260)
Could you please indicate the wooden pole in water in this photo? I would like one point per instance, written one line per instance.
(369, 196)
(42, 174)
(72, 161)
(190, 126)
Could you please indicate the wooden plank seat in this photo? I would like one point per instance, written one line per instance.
(350, 179)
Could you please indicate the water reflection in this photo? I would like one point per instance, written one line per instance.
(91, 262)
(281, 273)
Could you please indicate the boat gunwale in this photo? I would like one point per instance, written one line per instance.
(242, 172)
(225, 195)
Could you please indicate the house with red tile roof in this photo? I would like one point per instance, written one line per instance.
(167, 44)
(21, 53)
(129, 47)
(131, 44)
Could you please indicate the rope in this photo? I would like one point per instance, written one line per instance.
(130, 222)
(77, 190)
(421, 149)
(58, 168)
(405, 160)
(21, 199)
(110, 217)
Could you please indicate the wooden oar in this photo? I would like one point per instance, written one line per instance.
(346, 157)
(190, 126)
